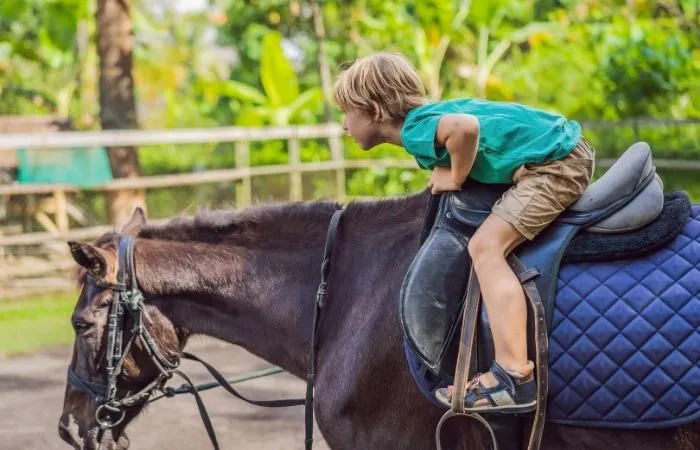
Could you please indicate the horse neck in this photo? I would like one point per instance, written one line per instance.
(261, 297)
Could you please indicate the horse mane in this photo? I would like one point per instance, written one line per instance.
(277, 226)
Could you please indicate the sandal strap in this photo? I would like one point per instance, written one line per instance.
(502, 394)
(503, 377)
(499, 395)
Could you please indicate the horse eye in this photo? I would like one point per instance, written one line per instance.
(81, 327)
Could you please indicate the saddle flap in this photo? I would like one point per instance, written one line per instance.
(472, 204)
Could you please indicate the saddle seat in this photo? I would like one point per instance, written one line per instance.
(626, 198)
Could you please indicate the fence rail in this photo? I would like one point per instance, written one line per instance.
(60, 208)
(54, 215)
(73, 139)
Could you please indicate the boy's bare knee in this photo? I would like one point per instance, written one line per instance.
(482, 246)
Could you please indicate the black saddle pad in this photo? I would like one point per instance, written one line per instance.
(589, 247)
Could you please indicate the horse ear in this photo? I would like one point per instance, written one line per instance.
(133, 226)
(91, 258)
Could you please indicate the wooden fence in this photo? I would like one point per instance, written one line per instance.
(60, 208)
(55, 210)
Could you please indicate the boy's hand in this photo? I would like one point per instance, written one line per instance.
(441, 181)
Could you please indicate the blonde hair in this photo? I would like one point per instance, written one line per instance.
(384, 86)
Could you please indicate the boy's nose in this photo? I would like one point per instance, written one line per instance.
(345, 127)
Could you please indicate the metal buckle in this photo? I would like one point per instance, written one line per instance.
(106, 424)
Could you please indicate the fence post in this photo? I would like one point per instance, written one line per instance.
(336, 145)
(244, 188)
(296, 189)
(60, 210)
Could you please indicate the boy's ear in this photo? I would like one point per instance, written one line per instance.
(377, 112)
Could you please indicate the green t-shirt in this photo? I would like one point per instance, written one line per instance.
(510, 135)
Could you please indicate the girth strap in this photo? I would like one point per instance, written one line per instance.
(463, 372)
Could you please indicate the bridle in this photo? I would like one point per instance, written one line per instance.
(127, 299)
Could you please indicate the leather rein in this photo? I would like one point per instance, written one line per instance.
(128, 300)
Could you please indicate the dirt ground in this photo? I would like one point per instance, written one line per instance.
(31, 399)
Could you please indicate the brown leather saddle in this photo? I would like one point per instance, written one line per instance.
(436, 295)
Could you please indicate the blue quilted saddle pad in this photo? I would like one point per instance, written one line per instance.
(624, 350)
(625, 342)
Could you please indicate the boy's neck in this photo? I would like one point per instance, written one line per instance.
(390, 132)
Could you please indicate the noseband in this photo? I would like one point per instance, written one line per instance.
(127, 299)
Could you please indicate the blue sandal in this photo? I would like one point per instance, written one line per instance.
(511, 395)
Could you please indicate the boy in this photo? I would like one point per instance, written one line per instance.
(542, 154)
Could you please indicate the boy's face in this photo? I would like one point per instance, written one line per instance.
(362, 128)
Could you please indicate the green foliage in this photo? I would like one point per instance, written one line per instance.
(276, 72)
(37, 64)
(644, 60)
(281, 103)
(587, 59)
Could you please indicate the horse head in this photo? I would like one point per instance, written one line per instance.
(114, 367)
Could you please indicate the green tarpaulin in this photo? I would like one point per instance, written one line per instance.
(79, 166)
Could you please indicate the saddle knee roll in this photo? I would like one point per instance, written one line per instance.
(431, 298)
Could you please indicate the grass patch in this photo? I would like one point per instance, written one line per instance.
(37, 322)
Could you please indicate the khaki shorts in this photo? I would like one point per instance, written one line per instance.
(543, 191)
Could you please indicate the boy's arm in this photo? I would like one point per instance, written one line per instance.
(459, 133)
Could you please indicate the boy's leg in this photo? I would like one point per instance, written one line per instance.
(503, 297)
(502, 294)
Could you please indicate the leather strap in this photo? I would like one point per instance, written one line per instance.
(318, 307)
(227, 386)
(470, 317)
(464, 361)
(541, 352)
(463, 371)
(202, 409)
(431, 212)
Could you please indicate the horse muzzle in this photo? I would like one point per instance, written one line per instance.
(94, 438)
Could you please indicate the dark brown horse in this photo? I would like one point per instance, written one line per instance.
(249, 278)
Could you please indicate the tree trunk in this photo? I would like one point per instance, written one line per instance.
(320, 32)
(117, 103)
